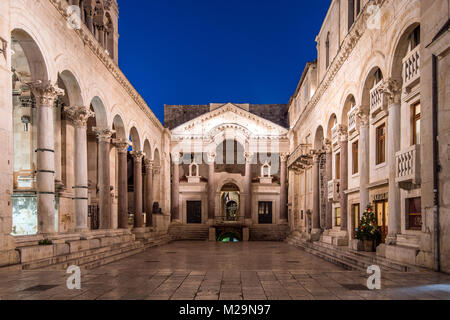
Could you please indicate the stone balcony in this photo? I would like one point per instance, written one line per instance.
(411, 68)
(333, 190)
(301, 156)
(408, 167)
(378, 100)
(353, 120)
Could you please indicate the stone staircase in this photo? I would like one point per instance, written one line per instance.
(189, 232)
(348, 258)
(90, 253)
(269, 232)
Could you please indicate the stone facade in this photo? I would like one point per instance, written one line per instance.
(229, 169)
(66, 128)
(366, 106)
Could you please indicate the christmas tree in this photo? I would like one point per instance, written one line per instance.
(368, 228)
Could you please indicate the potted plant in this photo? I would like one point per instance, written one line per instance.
(368, 231)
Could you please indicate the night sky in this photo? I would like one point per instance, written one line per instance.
(202, 51)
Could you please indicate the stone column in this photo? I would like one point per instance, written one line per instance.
(211, 186)
(45, 95)
(137, 157)
(175, 187)
(392, 90)
(343, 142)
(58, 143)
(104, 179)
(122, 188)
(79, 116)
(149, 192)
(329, 174)
(248, 185)
(364, 164)
(316, 195)
(283, 190)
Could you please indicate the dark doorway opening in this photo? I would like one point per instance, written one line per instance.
(194, 212)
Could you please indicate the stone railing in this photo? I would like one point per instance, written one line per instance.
(333, 190)
(408, 167)
(352, 120)
(377, 98)
(335, 135)
(411, 67)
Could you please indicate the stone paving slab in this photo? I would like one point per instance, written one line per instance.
(217, 271)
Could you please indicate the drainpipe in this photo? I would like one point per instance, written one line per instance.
(436, 167)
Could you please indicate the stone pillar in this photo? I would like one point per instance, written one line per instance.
(104, 179)
(211, 157)
(149, 192)
(364, 164)
(122, 188)
(283, 190)
(248, 185)
(79, 116)
(176, 187)
(392, 90)
(316, 195)
(343, 142)
(58, 143)
(45, 95)
(137, 190)
(329, 175)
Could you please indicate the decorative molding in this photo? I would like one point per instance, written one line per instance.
(348, 44)
(79, 115)
(44, 92)
(89, 40)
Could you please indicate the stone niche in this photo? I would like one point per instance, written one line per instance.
(266, 174)
(194, 174)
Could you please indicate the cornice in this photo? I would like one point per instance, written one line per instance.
(349, 43)
(90, 41)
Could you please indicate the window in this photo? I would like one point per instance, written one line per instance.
(378, 76)
(358, 7)
(337, 217)
(327, 51)
(356, 218)
(382, 213)
(355, 162)
(381, 144)
(265, 212)
(416, 112)
(414, 213)
(351, 13)
(338, 166)
(309, 178)
(414, 38)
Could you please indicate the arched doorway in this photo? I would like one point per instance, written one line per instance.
(230, 202)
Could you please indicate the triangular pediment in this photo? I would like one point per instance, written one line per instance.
(229, 116)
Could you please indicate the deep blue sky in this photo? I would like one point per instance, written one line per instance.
(202, 51)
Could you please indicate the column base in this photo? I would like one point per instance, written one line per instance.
(315, 234)
(391, 240)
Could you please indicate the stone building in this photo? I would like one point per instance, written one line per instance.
(365, 121)
(85, 160)
(89, 175)
(229, 171)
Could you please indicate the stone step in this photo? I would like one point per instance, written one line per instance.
(352, 259)
(189, 232)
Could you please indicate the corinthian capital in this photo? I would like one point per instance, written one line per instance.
(44, 92)
(392, 89)
(148, 165)
(363, 118)
(327, 145)
(79, 115)
(211, 157)
(342, 133)
(104, 134)
(284, 157)
(138, 155)
(121, 145)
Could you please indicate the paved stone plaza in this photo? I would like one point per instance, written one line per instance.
(225, 271)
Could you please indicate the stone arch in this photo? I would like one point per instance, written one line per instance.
(101, 116)
(318, 139)
(70, 84)
(135, 139)
(332, 121)
(372, 78)
(119, 127)
(32, 53)
(347, 106)
(402, 46)
(226, 181)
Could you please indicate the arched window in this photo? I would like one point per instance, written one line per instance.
(414, 38)
(351, 13)
(327, 51)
